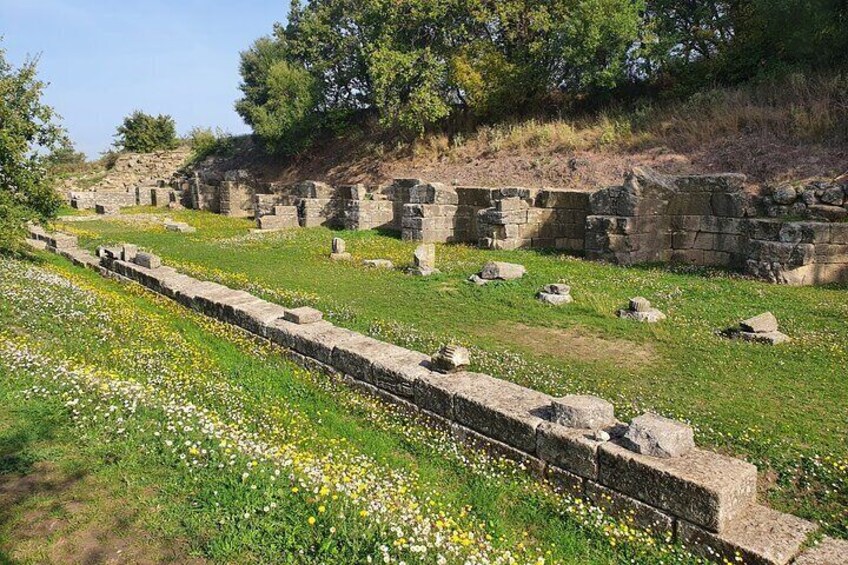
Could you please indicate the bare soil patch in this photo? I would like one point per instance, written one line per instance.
(574, 343)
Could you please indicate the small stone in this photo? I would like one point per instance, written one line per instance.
(652, 316)
(424, 260)
(476, 279)
(341, 256)
(557, 289)
(303, 315)
(829, 213)
(769, 338)
(653, 435)
(497, 270)
(179, 227)
(339, 246)
(128, 252)
(378, 263)
(600, 435)
(833, 196)
(764, 323)
(583, 411)
(450, 359)
(784, 194)
(639, 304)
(148, 260)
(554, 299)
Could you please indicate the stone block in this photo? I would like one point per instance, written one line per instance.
(398, 373)
(564, 482)
(128, 252)
(572, 449)
(303, 315)
(828, 551)
(511, 205)
(768, 338)
(629, 510)
(705, 488)
(316, 341)
(435, 393)
(497, 270)
(378, 263)
(502, 410)
(554, 299)
(829, 213)
(760, 535)
(148, 260)
(450, 359)
(764, 323)
(563, 199)
(256, 317)
(583, 411)
(355, 357)
(653, 435)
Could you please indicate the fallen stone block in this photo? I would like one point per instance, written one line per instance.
(179, 227)
(640, 310)
(629, 510)
(450, 359)
(424, 260)
(378, 263)
(759, 329)
(770, 338)
(583, 411)
(60, 241)
(339, 250)
(829, 551)
(477, 280)
(653, 435)
(555, 299)
(497, 270)
(502, 410)
(36, 244)
(764, 323)
(705, 488)
(760, 535)
(303, 315)
(147, 260)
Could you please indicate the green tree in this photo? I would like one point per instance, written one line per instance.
(143, 133)
(27, 131)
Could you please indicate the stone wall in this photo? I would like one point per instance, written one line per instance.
(88, 200)
(704, 500)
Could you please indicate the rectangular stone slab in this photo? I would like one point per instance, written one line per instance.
(571, 449)
(629, 510)
(435, 392)
(762, 536)
(355, 357)
(398, 373)
(502, 410)
(255, 316)
(702, 487)
(316, 341)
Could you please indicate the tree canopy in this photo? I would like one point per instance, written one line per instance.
(28, 132)
(143, 133)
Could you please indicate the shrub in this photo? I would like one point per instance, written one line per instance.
(206, 143)
(143, 133)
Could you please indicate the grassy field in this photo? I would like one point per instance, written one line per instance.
(784, 408)
(133, 429)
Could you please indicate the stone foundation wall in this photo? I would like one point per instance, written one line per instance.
(88, 200)
(704, 500)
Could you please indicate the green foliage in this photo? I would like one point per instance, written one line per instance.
(65, 159)
(143, 133)
(207, 143)
(27, 130)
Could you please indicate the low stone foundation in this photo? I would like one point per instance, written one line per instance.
(705, 500)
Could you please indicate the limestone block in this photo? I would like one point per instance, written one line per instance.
(378, 263)
(148, 260)
(435, 392)
(424, 257)
(629, 510)
(433, 193)
(564, 481)
(398, 373)
(303, 315)
(554, 299)
(763, 323)
(572, 449)
(583, 411)
(653, 435)
(762, 536)
(341, 256)
(128, 252)
(255, 317)
(62, 241)
(833, 196)
(107, 209)
(339, 246)
(355, 357)
(784, 194)
(829, 551)
(450, 359)
(502, 410)
(705, 488)
(497, 270)
(768, 338)
(826, 212)
(316, 341)
(563, 199)
(179, 227)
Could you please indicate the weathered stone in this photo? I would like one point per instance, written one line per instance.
(356, 357)
(398, 374)
(424, 256)
(629, 510)
(760, 535)
(828, 551)
(653, 435)
(502, 410)
(640, 304)
(571, 449)
(148, 260)
(557, 289)
(107, 209)
(833, 196)
(378, 263)
(435, 392)
(563, 481)
(554, 299)
(651, 316)
(450, 359)
(705, 488)
(341, 256)
(497, 270)
(303, 315)
(764, 323)
(583, 411)
(476, 279)
(769, 338)
(128, 252)
(830, 213)
(784, 194)
(339, 245)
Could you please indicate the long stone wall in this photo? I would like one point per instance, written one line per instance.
(704, 500)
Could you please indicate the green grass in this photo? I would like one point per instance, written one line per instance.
(140, 432)
(781, 407)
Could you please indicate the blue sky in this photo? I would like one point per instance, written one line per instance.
(105, 58)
